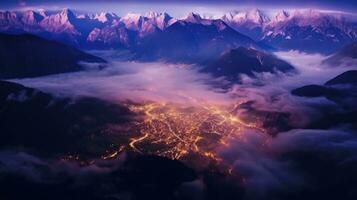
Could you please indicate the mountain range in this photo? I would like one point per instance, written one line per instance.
(19, 60)
(309, 30)
(29, 56)
(305, 30)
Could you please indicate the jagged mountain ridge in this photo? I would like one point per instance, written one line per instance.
(150, 37)
(79, 29)
(305, 30)
(189, 41)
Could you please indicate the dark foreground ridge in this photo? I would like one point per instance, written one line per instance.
(29, 56)
(342, 91)
(50, 126)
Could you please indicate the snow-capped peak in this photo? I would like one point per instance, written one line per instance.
(160, 20)
(254, 16)
(64, 17)
(9, 18)
(315, 18)
(132, 16)
(153, 14)
(193, 18)
(105, 17)
(164, 14)
(83, 16)
(257, 16)
(282, 16)
(31, 17)
(64, 21)
(308, 15)
(67, 14)
(133, 21)
(42, 12)
(197, 19)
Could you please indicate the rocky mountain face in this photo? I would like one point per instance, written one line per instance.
(150, 36)
(245, 61)
(159, 36)
(29, 56)
(250, 22)
(305, 30)
(310, 31)
(79, 30)
(192, 39)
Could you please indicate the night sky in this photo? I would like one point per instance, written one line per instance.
(179, 8)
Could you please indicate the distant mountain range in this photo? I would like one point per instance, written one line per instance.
(310, 31)
(245, 61)
(153, 36)
(191, 40)
(305, 30)
(29, 56)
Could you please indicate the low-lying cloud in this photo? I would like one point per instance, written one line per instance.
(274, 166)
(271, 92)
(133, 81)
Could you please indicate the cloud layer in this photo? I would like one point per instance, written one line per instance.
(299, 163)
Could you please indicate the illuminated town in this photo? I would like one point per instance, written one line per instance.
(173, 131)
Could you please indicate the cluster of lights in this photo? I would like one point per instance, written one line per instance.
(174, 131)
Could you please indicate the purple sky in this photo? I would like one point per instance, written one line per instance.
(178, 7)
